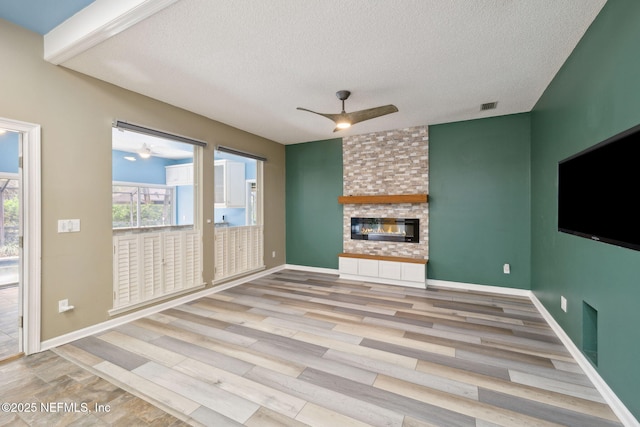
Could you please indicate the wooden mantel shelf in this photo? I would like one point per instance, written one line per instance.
(384, 199)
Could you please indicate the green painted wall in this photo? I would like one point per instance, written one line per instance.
(595, 95)
(479, 210)
(314, 217)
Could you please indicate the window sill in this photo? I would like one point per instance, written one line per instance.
(152, 229)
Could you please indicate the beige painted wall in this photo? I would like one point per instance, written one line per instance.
(76, 112)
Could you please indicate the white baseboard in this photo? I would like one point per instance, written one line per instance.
(311, 269)
(478, 288)
(384, 281)
(112, 323)
(621, 411)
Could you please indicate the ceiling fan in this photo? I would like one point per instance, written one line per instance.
(344, 120)
(145, 151)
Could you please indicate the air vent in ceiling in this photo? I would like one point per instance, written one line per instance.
(489, 106)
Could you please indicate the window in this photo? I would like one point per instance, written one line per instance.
(238, 215)
(152, 181)
(157, 242)
(142, 206)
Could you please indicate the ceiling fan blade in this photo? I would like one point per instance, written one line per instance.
(333, 117)
(371, 113)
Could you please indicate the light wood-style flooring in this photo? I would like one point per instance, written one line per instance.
(297, 348)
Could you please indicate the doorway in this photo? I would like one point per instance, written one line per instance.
(10, 253)
(19, 238)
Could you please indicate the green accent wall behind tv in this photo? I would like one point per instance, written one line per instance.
(479, 211)
(314, 217)
(595, 95)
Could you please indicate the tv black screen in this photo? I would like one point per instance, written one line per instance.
(599, 191)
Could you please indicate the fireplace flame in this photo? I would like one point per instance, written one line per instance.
(381, 230)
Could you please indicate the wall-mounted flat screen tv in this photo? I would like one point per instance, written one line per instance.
(599, 191)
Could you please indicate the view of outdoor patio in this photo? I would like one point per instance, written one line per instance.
(9, 262)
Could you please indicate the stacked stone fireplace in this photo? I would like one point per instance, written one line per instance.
(386, 163)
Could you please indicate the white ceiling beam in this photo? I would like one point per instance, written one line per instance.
(96, 23)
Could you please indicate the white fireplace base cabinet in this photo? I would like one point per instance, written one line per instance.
(383, 269)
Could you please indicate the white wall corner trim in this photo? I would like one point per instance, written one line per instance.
(621, 411)
(96, 23)
(112, 323)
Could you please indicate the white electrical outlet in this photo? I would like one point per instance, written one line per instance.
(273, 254)
(563, 303)
(506, 269)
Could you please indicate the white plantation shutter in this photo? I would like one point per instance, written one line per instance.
(192, 264)
(173, 259)
(151, 265)
(221, 237)
(238, 250)
(231, 254)
(242, 260)
(125, 271)
(255, 247)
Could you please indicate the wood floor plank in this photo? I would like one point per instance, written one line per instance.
(481, 348)
(294, 318)
(543, 411)
(433, 380)
(454, 362)
(208, 395)
(316, 415)
(343, 404)
(142, 348)
(110, 352)
(468, 407)
(372, 333)
(328, 333)
(290, 344)
(264, 417)
(424, 330)
(267, 397)
(166, 396)
(310, 360)
(518, 390)
(240, 352)
(584, 392)
(390, 400)
(399, 359)
(203, 354)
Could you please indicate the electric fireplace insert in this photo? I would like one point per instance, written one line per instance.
(386, 229)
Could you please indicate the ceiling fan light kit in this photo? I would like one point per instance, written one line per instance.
(345, 120)
(145, 152)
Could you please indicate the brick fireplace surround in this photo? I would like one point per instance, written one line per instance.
(387, 163)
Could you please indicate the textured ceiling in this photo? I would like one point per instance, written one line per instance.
(249, 64)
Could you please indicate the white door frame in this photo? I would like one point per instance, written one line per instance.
(31, 231)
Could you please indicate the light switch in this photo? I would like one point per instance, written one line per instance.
(68, 225)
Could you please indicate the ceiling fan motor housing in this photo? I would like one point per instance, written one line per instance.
(343, 94)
